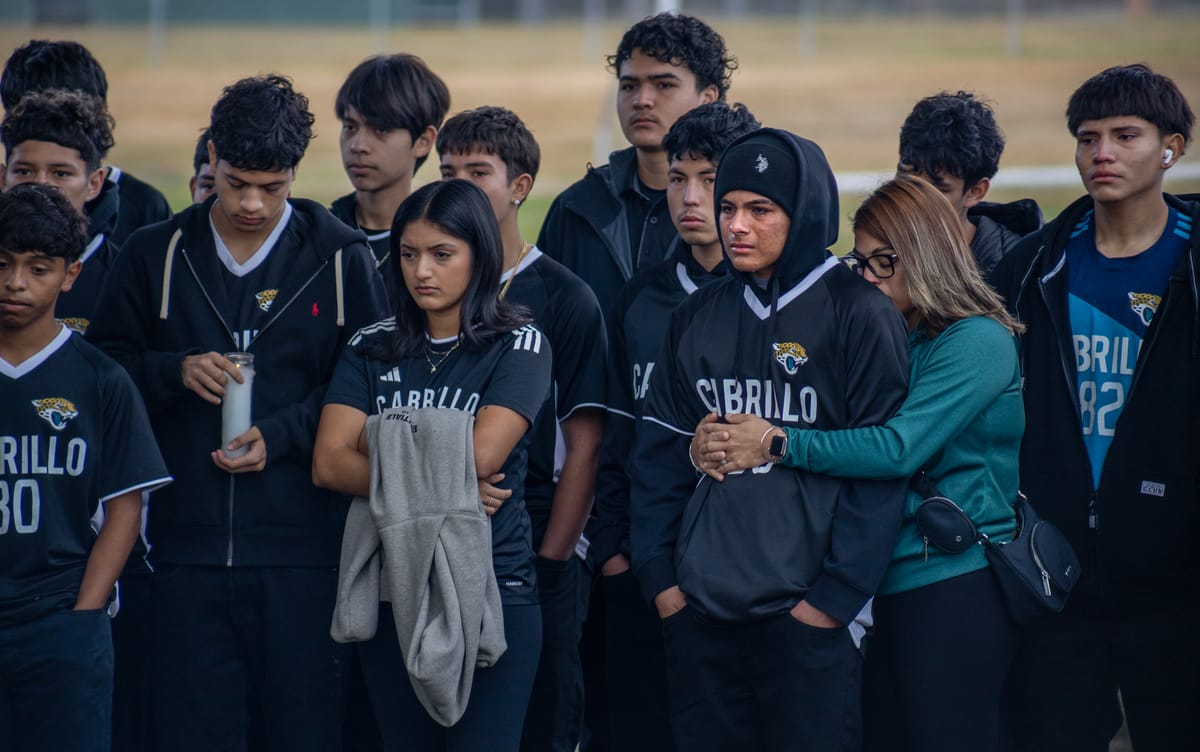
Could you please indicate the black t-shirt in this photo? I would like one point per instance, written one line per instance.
(565, 309)
(513, 372)
(380, 240)
(75, 434)
(250, 295)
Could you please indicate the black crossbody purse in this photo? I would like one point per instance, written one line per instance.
(1036, 570)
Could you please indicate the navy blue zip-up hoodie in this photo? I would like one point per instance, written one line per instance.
(817, 348)
(165, 301)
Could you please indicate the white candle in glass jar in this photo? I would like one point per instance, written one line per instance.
(235, 405)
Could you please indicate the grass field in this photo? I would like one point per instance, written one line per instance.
(850, 96)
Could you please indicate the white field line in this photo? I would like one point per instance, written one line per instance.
(1008, 177)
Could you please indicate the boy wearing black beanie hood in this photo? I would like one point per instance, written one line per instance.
(763, 581)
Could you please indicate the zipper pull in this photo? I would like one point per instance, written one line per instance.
(926, 539)
(1092, 518)
(1046, 583)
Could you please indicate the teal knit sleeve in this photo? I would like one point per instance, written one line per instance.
(954, 377)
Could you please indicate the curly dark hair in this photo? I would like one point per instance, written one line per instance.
(261, 123)
(1132, 90)
(395, 92)
(41, 64)
(495, 131)
(703, 133)
(38, 218)
(955, 134)
(678, 39)
(71, 119)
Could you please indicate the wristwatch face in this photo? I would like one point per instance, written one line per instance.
(778, 446)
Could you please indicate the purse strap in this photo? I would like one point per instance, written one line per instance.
(921, 483)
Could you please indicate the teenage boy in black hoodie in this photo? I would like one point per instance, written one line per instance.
(40, 65)
(952, 141)
(762, 584)
(1111, 365)
(57, 138)
(637, 693)
(391, 107)
(245, 547)
(614, 220)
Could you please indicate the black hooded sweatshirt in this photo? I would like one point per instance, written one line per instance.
(817, 348)
(166, 300)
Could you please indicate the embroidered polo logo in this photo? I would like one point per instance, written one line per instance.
(265, 299)
(56, 411)
(790, 355)
(761, 164)
(1144, 305)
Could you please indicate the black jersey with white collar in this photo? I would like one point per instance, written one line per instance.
(512, 372)
(74, 435)
(565, 308)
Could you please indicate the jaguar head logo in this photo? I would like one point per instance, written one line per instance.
(56, 411)
(1144, 305)
(265, 299)
(791, 356)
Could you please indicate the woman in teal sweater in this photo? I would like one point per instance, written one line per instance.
(943, 642)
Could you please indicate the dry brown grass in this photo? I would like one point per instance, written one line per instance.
(850, 98)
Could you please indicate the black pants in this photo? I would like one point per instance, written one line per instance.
(555, 716)
(637, 672)
(56, 683)
(499, 695)
(936, 668)
(132, 635)
(243, 660)
(1064, 687)
(777, 684)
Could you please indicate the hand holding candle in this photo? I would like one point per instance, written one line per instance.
(235, 404)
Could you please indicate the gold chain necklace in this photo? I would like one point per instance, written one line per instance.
(528, 247)
(429, 350)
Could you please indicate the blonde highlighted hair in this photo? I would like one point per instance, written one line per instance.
(920, 225)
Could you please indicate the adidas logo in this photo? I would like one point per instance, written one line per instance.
(392, 376)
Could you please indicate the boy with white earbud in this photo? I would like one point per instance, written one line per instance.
(1111, 366)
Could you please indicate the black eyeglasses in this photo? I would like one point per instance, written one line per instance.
(881, 263)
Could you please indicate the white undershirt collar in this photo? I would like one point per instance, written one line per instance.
(260, 255)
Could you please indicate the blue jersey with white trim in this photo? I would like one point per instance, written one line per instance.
(75, 434)
(1112, 302)
(513, 372)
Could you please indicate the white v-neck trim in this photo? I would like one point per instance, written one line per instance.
(533, 255)
(685, 281)
(260, 255)
(810, 279)
(38, 358)
(91, 248)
